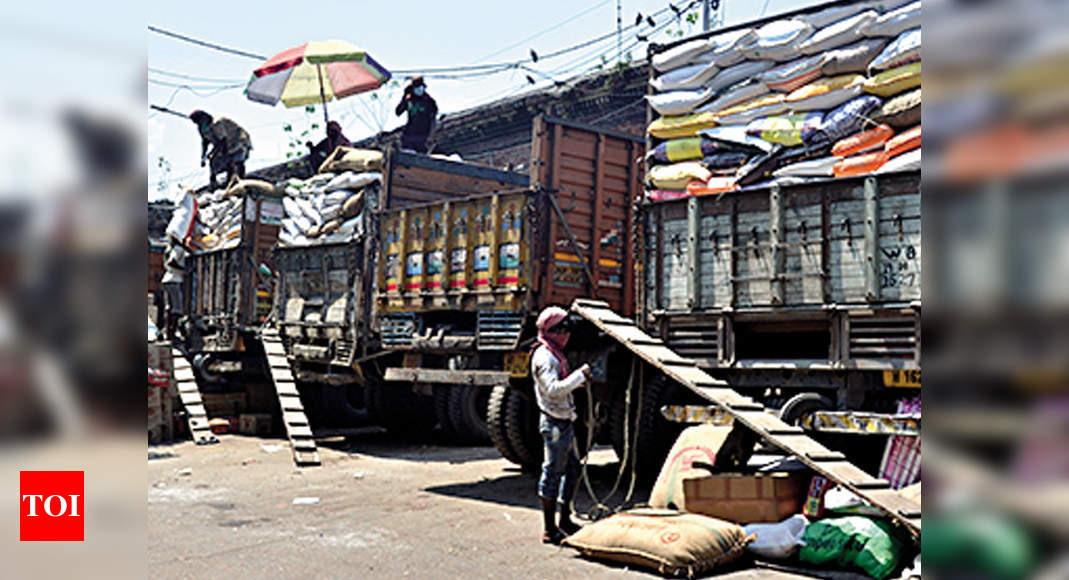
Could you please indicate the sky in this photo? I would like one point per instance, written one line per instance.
(399, 35)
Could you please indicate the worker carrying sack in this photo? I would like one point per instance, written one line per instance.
(668, 541)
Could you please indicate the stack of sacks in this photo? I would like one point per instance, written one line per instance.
(782, 101)
(326, 208)
(221, 214)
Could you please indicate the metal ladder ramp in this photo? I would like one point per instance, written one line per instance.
(298, 430)
(189, 393)
(753, 415)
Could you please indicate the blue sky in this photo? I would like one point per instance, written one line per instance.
(400, 35)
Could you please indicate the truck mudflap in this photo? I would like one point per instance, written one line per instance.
(751, 414)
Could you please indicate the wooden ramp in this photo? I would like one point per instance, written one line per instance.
(298, 430)
(744, 410)
(189, 392)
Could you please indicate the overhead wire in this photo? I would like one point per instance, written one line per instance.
(205, 43)
(547, 30)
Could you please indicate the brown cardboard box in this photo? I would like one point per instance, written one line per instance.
(255, 424)
(762, 497)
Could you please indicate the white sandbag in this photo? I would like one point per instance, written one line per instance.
(726, 49)
(902, 50)
(349, 180)
(740, 72)
(678, 102)
(779, 40)
(829, 16)
(181, 224)
(290, 207)
(853, 58)
(809, 168)
(351, 226)
(689, 77)
(336, 197)
(777, 541)
(686, 53)
(737, 94)
(735, 135)
(791, 75)
(319, 179)
(896, 21)
(909, 161)
(309, 210)
(771, 105)
(826, 101)
(840, 33)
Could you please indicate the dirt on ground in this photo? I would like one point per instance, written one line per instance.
(376, 508)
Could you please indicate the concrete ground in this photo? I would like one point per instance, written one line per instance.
(385, 510)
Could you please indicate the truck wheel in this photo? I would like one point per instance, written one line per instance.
(441, 411)
(467, 413)
(338, 410)
(801, 405)
(521, 425)
(656, 435)
(403, 412)
(495, 422)
(617, 416)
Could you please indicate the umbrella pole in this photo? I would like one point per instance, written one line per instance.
(323, 96)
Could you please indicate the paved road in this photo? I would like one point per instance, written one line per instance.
(386, 510)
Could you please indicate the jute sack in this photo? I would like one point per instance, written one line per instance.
(670, 542)
(699, 443)
(250, 187)
(352, 159)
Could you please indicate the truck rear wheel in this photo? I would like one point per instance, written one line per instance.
(656, 435)
(495, 422)
(801, 405)
(466, 410)
(441, 411)
(521, 425)
(401, 411)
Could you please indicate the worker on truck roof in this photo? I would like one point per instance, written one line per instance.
(318, 152)
(230, 145)
(422, 113)
(553, 391)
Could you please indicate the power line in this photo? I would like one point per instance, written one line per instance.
(206, 44)
(550, 29)
(167, 73)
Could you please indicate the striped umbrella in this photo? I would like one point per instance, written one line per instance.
(315, 72)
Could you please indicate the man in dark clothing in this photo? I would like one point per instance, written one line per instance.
(320, 151)
(422, 113)
(230, 145)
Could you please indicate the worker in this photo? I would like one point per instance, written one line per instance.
(334, 139)
(422, 113)
(173, 289)
(230, 145)
(553, 391)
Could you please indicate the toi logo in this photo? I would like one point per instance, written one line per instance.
(51, 506)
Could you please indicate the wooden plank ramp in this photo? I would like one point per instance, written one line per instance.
(298, 430)
(188, 391)
(830, 464)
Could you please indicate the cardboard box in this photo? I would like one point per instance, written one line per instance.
(747, 499)
(255, 424)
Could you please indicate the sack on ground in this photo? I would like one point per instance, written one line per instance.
(701, 444)
(852, 541)
(668, 541)
(777, 541)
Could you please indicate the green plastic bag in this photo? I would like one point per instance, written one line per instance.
(852, 541)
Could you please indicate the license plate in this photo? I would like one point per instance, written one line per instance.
(518, 364)
(902, 378)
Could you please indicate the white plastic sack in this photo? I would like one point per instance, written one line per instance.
(336, 197)
(727, 49)
(829, 16)
(740, 72)
(309, 210)
(779, 40)
(908, 161)
(735, 135)
(678, 102)
(794, 74)
(840, 33)
(689, 77)
(743, 117)
(182, 218)
(902, 50)
(777, 541)
(319, 179)
(854, 58)
(351, 226)
(809, 168)
(826, 101)
(896, 21)
(350, 180)
(735, 95)
(686, 53)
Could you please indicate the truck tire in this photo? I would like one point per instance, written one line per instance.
(521, 425)
(441, 411)
(401, 411)
(495, 422)
(617, 416)
(467, 413)
(802, 404)
(656, 435)
(339, 411)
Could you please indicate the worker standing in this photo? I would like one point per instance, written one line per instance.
(230, 145)
(553, 391)
(422, 114)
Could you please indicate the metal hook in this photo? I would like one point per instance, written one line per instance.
(897, 220)
(715, 238)
(845, 226)
(677, 243)
(802, 230)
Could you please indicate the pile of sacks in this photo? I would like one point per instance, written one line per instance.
(827, 94)
(326, 208)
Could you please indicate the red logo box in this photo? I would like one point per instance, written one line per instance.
(52, 506)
